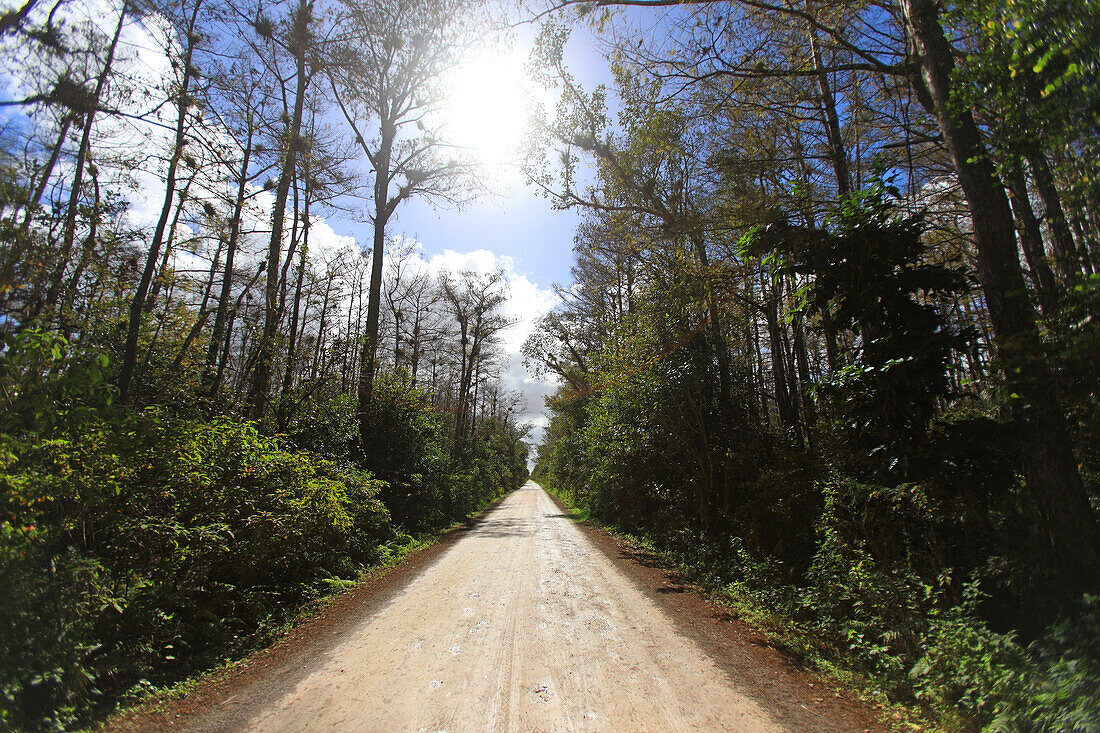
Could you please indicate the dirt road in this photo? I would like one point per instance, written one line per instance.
(523, 625)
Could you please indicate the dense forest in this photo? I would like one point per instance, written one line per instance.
(831, 340)
(213, 418)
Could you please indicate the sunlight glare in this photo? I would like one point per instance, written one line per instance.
(487, 109)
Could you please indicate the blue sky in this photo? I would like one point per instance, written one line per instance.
(525, 235)
(520, 224)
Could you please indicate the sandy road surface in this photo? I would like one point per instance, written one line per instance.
(523, 625)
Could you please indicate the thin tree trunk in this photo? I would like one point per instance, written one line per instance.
(382, 212)
(169, 242)
(779, 374)
(837, 154)
(321, 328)
(210, 383)
(137, 304)
(46, 173)
(1031, 241)
(261, 381)
(204, 312)
(223, 359)
(292, 343)
(69, 230)
(1065, 252)
(85, 255)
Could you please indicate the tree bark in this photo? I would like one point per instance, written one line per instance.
(47, 172)
(209, 380)
(295, 310)
(1031, 241)
(69, 231)
(837, 154)
(382, 213)
(261, 381)
(1065, 252)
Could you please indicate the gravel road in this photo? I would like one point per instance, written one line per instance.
(523, 625)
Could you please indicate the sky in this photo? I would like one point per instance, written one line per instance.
(519, 233)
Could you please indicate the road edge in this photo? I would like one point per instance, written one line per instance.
(743, 652)
(199, 695)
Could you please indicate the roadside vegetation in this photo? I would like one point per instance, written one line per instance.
(831, 340)
(143, 544)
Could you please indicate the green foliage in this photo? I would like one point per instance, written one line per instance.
(45, 383)
(1051, 685)
(870, 278)
(1035, 70)
(322, 421)
(144, 546)
(874, 540)
(408, 446)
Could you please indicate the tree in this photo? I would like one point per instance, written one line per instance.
(298, 44)
(1068, 529)
(475, 302)
(387, 81)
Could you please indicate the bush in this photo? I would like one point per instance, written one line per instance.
(148, 547)
(1052, 685)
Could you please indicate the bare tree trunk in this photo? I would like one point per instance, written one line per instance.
(218, 333)
(85, 255)
(718, 339)
(837, 154)
(779, 372)
(1031, 241)
(204, 311)
(321, 329)
(261, 380)
(374, 296)
(463, 391)
(46, 173)
(802, 363)
(414, 364)
(295, 311)
(69, 230)
(223, 359)
(1065, 252)
(169, 242)
(1088, 250)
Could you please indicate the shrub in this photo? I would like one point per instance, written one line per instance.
(148, 547)
(1052, 685)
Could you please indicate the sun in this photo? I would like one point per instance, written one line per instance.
(487, 108)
